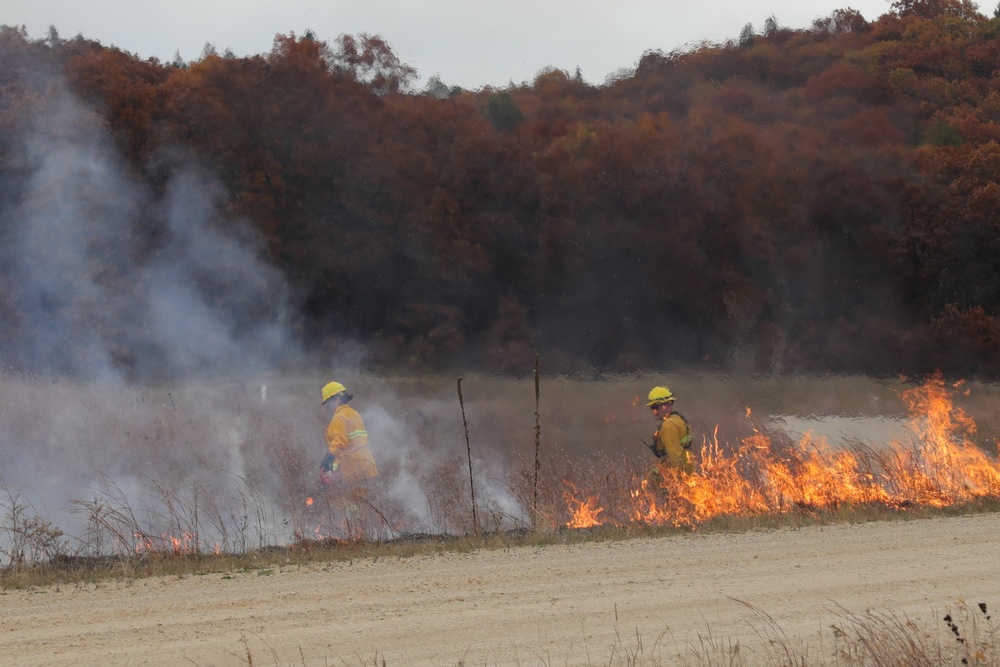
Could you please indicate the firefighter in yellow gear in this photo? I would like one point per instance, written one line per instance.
(349, 460)
(672, 440)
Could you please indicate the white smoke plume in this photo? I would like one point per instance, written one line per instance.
(143, 399)
(112, 280)
(114, 290)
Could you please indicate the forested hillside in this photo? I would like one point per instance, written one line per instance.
(823, 199)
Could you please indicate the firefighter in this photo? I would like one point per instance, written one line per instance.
(672, 440)
(349, 461)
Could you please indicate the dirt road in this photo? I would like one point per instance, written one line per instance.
(677, 600)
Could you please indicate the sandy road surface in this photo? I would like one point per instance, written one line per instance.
(555, 605)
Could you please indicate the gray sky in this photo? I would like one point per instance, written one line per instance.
(470, 43)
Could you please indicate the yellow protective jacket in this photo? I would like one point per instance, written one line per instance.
(347, 440)
(672, 442)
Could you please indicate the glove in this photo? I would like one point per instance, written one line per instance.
(652, 448)
(329, 463)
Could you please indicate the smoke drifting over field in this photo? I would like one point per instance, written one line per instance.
(99, 305)
(143, 401)
(100, 315)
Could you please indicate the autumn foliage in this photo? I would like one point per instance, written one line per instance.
(820, 199)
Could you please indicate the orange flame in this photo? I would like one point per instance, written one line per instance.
(770, 473)
(186, 544)
(309, 502)
(584, 514)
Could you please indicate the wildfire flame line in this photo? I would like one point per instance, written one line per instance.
(770, 473)
(185, 544)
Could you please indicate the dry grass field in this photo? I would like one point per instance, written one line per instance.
(228, 467)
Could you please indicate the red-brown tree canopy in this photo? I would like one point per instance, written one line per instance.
(821, 199)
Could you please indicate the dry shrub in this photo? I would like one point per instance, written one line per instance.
(876, 638)
(967, 636)
(28, 539)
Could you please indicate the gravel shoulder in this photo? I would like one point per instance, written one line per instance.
(678, 600)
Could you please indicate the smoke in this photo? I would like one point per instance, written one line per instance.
(111, 290)
(112, 281)
(69, 215)
(425, 463)
(141, 394)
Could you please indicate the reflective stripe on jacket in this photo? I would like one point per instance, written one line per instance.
(347, 440)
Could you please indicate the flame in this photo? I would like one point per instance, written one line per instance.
(144, 543)
(584, 514)
(309, 502)
(185, 544)
(945, 467)
(771, 474)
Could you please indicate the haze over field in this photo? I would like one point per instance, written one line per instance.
(204, 303)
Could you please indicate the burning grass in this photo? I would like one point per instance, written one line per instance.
(66, 568)
(210, 478)
(769, 473)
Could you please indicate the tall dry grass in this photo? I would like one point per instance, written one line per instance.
(93, 470)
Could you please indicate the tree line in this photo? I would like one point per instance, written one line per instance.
(794, 200)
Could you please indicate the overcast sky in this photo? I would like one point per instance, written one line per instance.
(469, 43)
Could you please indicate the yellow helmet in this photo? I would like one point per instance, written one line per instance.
(331, 389)
(660, 395)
